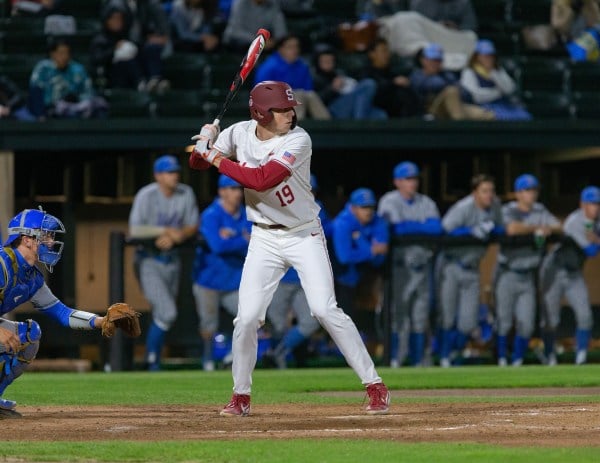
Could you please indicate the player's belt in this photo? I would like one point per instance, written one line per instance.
(275, 226)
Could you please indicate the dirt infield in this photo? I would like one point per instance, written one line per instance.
(506, 423)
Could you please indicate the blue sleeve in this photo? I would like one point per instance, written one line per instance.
(381, 231)
(345, 252)
(460, 231)
(431, 226)
(306, 79)
(59, 312)
(592, 250)
(498, 230)
(264, 72)
(210, 230)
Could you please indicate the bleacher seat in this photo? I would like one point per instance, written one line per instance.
(352, 63)
(585, 77)
(81, 8)
(186, 71)
(180, 103)
(549, 105)
(543, 74)
(492, 15)
(30, 42)
(238, 108)
(128, 103)
(18, 67)
(526, 12)
(587, 105)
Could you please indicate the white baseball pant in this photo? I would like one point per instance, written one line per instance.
(270, 253)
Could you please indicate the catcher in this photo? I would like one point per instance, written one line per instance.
(31, 238)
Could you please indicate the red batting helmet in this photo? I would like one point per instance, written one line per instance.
(268, 95)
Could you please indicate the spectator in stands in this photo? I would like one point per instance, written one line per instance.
(345, 97)
(453, 14)
(115, 59)
(439, 91)
(394, 93)
(60, 86)
(191, 22)
(577, 24)
(369, 10)
(489, 85)
(570, 18)
(12, 103)
(286, 65)
(360, 242)
(34, 7)
(149, 31)
(247, 16)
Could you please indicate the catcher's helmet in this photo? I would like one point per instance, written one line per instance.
(268, 95)
(42, 226)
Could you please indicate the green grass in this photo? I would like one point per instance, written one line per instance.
(290, 386)
(295, 451)
(272, 386)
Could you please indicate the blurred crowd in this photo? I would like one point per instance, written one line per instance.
(423, 58)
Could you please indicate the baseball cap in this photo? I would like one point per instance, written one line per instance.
(227, 182)
(526, 182)
(590, 194)
(406, 169)
(433, 51)
(485, 47)
(166, 163)
(363, 197)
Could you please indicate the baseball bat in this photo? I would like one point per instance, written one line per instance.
(248, 63)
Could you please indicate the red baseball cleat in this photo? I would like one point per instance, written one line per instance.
(238, 406)
(379, 399)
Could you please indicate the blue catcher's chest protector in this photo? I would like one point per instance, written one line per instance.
(20, 281)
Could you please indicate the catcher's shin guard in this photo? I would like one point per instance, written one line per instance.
(13, 365)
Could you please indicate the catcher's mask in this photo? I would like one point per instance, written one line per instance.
(268, 95)
(42, 226)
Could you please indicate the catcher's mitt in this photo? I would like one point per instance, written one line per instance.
(121, 315)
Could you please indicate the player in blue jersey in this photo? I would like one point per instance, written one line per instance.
(218, 265)
(409, 212)
(32, 237)
(360, 244)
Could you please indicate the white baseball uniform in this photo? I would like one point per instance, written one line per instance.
(286, 233)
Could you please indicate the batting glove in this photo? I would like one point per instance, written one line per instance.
(206, 138)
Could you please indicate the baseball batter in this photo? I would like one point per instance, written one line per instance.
(218, 265)
(517, 268)
(562, 275)
(273, 164)
(31, 238)
(476, 215)
(170, 207)
(410, 213)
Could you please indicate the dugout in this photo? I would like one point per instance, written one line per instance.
(87, 172)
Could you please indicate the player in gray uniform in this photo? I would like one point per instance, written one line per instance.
(517, 267)
(410, 213)
(165, 210)
(562, 275)
(476, 215)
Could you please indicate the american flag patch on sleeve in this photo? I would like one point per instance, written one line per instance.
(289, 157)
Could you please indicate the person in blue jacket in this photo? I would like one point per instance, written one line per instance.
(218, 264)
(286, 64)
(360, 243)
